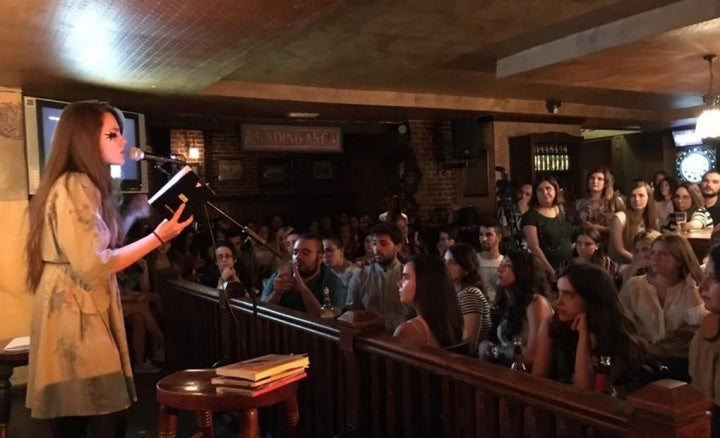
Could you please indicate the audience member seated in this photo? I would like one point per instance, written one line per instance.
(446, 238)
(246, 265)
(426, 286)
(589, 249)
(597, 209)
(688, 199)
(710, 188)
(223, 274)
(162, 264)
(589, 323)
(283, 245)
(299, 285)
(410, 245)
(521, 304)
(705, 344)
(374, 288)
(642, 246)
(640, 216)
(137, 314)
(714, 240)
(461, 261)
(136, 279)
(546, 228)
(367, 256)
(187, 255)
(334, 258)
(489, 259)
(665, 303)
(266, 260)
(663, 196)
(349, 240)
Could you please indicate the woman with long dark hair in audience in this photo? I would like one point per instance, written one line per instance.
(426, 285)
(461, 261)
(705, 345)
(521, 303)
(589, 249)
(665, 303)
(589, 322)
(663, 197)
(640, 216)
(546, 228)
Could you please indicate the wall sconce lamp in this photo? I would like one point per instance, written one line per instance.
(553, 106)
(708, 123)
(194, 153)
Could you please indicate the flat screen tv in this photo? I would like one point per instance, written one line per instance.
(686, 137)
(41, 118)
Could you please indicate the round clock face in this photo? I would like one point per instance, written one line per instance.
(692, 163)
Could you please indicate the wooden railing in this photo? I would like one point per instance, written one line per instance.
(363, 382)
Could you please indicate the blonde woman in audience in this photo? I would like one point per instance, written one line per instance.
(642, 245)
(688, 199)
(640, 216)
(665, 303)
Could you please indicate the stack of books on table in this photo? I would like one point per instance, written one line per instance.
(262, 374)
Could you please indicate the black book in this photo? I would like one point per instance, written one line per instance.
(185, 187)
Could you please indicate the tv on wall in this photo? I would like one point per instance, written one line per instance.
(41, 118)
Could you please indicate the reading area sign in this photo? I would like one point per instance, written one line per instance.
(291, 138)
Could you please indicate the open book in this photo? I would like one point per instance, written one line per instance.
(185, 187)
(264, 366)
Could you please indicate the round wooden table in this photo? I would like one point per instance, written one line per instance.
(191, 390)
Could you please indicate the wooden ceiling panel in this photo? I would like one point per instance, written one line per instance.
(404, 57)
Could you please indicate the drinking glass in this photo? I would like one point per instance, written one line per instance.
(680, 220)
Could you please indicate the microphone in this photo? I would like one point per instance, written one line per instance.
(137, 154)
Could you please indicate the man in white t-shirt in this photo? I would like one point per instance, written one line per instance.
(490, 258)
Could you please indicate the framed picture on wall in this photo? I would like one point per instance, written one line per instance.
(274, 174)
(322, 170)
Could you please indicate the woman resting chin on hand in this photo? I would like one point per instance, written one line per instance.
(589, 323)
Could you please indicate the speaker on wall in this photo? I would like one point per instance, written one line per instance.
(465, 133)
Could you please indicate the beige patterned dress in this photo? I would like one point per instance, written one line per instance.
(79, 360)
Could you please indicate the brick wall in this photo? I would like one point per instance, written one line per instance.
(437, 190)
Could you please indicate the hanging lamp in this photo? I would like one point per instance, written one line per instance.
(707, 126)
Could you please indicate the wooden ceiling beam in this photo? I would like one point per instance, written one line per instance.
(626, 30)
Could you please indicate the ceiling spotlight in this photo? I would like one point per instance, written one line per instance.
(553, 106)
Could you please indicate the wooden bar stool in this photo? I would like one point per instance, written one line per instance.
(191, 390)
(8, 361)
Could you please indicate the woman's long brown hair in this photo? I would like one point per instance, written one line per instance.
(75, 148)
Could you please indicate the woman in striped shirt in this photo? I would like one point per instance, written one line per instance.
(462, 264)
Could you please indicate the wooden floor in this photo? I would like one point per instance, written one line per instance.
(142, 416)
